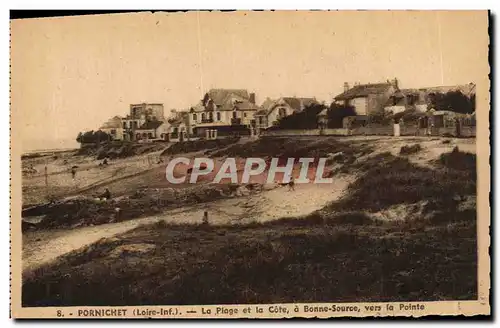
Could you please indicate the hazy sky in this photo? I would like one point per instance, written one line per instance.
(71, 74)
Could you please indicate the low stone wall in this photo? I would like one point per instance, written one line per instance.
(335, 132)
(284, 133)
(304, 132)
(377, 130)
(468, 131)
(373, 130)
(465, 131)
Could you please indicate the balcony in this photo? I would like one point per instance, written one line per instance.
(207, 120)
(236, 121)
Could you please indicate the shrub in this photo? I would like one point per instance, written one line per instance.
(336, 113)
(458, 160)
(408, 150)
(306, 119)
(393, 180)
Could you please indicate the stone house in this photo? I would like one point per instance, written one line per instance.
(367, 98)
(178, 130)
(419, 99)
(224, 110)
(272, 110)
(152, 130)
(139, 115)
(113, 127)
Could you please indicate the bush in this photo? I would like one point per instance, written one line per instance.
(408, 150)
(351, 218)
(306, 119)
(458, 160)
(393, 180)
(337, 113)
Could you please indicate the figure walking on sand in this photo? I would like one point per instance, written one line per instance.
(291, 185)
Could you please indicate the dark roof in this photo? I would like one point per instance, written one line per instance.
(112, 123)
(396, 101)
(150, 125)
(466, 89)
(324, 112)
(267, 104)
(245, 105)
(145, 104)
(296, 103)
(220, 95)
(363, 90)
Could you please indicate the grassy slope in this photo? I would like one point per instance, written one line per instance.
(265, 264)
(334, 256)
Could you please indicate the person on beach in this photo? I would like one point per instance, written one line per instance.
(291, 185)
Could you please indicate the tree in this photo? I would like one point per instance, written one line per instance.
(473, 102)
(454, 101)
(101, 136)
(306, 119)
(409, 115)
(79, 137)
(380, 117)
(460, 103)
(336, 114)
(93, 137)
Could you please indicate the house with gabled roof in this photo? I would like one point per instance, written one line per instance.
(224, 110)
(272, 110)
(367, 98)
(420, 99)
(113, 127)
(152, 130)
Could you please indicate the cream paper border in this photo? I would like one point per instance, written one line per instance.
(468, 308)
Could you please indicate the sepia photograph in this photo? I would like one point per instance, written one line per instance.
(250, 164)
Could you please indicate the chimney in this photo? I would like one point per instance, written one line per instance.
(252, 98)
(346, 86)
(395, 83)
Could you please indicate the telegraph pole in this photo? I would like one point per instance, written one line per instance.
(46, 181)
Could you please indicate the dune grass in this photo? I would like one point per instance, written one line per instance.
(338, 254)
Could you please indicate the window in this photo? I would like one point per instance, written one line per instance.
(411, 99)
(144, 135)
(394, 101)
(113, 132)
(124, 125)
(210, 116)
(282, 112)
(203, 117)
(244, 114)
(194, 117)
(235, 115)
(218, 116)
(135, 124)
(150, 135)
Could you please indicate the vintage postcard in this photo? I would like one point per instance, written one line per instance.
(250, 164)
